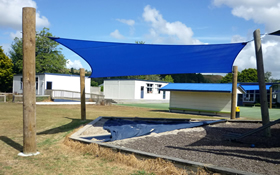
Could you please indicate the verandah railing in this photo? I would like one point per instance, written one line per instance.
(73, 95)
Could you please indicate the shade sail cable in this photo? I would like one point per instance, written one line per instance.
(108, 59)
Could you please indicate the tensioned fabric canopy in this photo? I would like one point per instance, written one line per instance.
(108, 59)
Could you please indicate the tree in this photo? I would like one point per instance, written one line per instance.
(248, 75)
(49, 58)
(140, 42)
(6, 72)
(168, 78)
(188, 78)
(268, 76)
(228, 78)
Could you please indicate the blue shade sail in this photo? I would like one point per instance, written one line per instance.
(122, 129)
(277, 33)
(108, 59)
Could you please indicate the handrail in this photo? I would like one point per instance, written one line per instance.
(66, 94)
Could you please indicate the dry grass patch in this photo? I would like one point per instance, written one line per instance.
(154, 166)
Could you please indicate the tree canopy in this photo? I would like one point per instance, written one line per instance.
(246, 75)
(6, 72)
(49, 58)
(168, 78)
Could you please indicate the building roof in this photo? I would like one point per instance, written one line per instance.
(57, 74)
(135, 80)
(254, 87)
(201, 87)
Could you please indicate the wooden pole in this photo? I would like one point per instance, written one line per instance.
(234, 92)
(83, 96)
(262, 87)
(270, 97)
(29, 73)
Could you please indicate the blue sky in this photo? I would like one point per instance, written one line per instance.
(155, 22)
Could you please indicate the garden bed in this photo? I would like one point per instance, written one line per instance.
(207, 145)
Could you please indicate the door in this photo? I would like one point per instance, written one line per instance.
(240, 100)
(142, 91)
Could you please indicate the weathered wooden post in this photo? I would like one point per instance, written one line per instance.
(234, 92)
(263, 93)
(83, 95)
(270, 97)
(29, 89)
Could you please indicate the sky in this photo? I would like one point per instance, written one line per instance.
(154, 22)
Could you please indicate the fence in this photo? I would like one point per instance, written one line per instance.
(3, 98)
(19, 98)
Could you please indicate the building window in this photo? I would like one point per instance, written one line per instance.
(158, 86)
(149, 88)
(49, 85)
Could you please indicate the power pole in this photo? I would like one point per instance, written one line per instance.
(83, 95)
(29, 88)
(262, 87)
(234, 92)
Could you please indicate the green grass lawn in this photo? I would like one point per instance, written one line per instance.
(53, 123)
(255, 113)
(160, 106)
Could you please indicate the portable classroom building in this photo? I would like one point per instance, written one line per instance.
(252, 95)
(129, 89)
(53, 81)
(202, 98)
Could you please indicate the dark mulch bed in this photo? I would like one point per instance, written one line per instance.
(207, 145)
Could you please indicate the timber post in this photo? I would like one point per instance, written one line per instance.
(83, 96)
(270, 97)
(261, 79)
(29, 89)
(234, 92)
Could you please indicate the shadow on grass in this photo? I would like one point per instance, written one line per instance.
(65, 128)
(12, 143)
(159, 110)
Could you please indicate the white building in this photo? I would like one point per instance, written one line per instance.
(52, 81)
(202, 98)
(135, 90)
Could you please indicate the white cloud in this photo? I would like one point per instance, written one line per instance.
(75, 64)
(129, 22)
(17, 34)
(237, 39)
(11, 14)
(271, 58)
(262, 12)
(116, 34)
(176, 32)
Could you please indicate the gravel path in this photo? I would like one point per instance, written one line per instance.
(207, 145)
